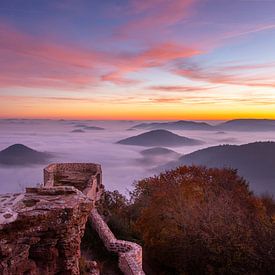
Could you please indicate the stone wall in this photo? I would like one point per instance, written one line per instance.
(86, 177)
(41, 230)
(130, 254)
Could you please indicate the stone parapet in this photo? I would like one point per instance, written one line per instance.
(86, 177)
(130, 254)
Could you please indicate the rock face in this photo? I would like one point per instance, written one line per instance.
(41, 230)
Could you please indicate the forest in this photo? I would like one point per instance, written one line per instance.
(196, 220)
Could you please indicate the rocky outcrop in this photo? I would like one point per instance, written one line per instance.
(41, 230)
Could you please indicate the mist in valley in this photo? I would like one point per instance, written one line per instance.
(81, 141)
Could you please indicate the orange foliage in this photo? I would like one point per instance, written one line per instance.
(194, 220)
(199, 220)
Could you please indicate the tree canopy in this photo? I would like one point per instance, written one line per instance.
(194, 220)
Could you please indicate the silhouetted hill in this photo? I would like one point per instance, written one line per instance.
(78, 131)
(93, 128)
(159, 138)
(254, 161)
(231, 125)
(19, 154)
(158, 151)
(248, 125)
(175, 125)
(157, 156)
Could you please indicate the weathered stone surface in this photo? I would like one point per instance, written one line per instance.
(41, 230)
(86, 177)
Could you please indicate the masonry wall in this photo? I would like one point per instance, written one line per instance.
(130, 254)
(87, 177)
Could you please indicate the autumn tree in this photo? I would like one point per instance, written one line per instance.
(194, 220)
(202, 221)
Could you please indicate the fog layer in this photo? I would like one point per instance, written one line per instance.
(121, 164)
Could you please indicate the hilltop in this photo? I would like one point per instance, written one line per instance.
(19, 154)
(254, 161)
(159, 138)
(175, 125)
(248, 125)
(158, 151)
(231, 125)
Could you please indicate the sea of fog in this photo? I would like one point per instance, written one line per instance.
(121, 164)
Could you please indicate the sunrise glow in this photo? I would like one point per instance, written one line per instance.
(132, 59)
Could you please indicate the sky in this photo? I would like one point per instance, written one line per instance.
(135, 59)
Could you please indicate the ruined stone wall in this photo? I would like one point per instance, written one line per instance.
(130, 254)
(41, 230)
(86, 177)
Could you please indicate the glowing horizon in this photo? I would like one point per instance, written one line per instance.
(141, 60)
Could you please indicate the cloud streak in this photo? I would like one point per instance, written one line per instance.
(232, 75)
(155, 56)
(154, 15)
(30, 62)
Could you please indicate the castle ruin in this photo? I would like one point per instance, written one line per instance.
(41, 229)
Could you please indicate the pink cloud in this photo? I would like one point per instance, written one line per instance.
(31, 62)
(155, 56)
(118, 78)
(28, 61)
(167, 100)
(232, 75)
(248, 67)
(179, 88)
(151, 16)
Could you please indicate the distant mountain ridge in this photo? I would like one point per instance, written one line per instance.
(254, 161)
(159, 138)
(231, 125)
(175, 125)
(93, 128)
(158, 151)
(248, 125)
(19, 154)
